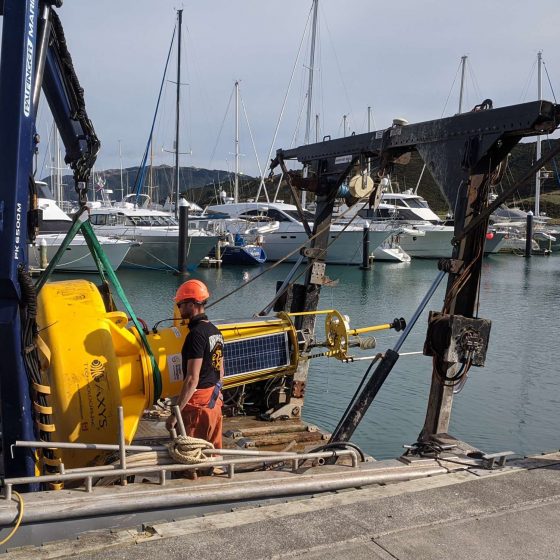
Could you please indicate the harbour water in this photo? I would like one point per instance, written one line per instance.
(511, 404)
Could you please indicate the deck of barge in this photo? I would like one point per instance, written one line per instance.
(248, 432)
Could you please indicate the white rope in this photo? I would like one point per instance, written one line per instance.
(188, 450)
(156, 258)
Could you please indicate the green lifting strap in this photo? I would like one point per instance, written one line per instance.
(105, 271)
(45, 275)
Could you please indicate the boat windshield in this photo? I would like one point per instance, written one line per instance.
(255, 217)
(153, 221)
(294, 214)
(416, 203)
(43, 190)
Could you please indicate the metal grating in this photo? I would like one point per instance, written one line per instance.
(256, 354)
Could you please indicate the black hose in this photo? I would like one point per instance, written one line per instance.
(31, 357)
(158, 323)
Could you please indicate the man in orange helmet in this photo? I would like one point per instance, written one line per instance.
(200, 400)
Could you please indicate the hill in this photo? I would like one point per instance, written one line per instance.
(160, 177)
(520, 160)
(203, 186)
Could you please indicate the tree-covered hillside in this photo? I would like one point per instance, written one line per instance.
(204, 186)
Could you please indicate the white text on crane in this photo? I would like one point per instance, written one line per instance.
(29, 59)
(18, 232)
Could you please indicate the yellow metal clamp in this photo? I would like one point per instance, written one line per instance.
(338, 332)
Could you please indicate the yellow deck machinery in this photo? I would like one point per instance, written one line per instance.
(94, 362)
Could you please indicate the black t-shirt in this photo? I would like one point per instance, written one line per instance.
(204, 341)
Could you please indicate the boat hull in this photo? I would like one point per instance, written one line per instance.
(433, 243)
(248, 255)
(495, 243)
(390, 253)
(156, 252)
(77, 257)
(345, 249)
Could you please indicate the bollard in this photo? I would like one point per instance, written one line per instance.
(219, 252)
(43, 258)
(183, 237)
(529, 235)
(365, 248)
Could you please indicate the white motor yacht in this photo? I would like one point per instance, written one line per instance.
(53, 226)
(346, 247)
(424, 234)
(419, 231)
(156, 231)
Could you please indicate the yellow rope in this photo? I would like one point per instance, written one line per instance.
(188, 450)
(18, 522)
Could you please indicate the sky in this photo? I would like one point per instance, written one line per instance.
(399, 58)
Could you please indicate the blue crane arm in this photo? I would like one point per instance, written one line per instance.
(33, 57)
(65, 97)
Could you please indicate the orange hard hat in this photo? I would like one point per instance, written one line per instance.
(192, 289)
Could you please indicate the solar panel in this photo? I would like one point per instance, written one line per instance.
(250, 355)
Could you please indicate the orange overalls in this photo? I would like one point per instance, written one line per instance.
(200, 420)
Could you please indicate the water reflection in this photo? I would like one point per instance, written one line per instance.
(527, 273)
(511, 403)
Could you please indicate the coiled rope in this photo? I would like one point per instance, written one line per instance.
(183, 449)
(188, 450)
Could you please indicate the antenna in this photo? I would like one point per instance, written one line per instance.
(539, 148)
(310, 87)
(461, 90)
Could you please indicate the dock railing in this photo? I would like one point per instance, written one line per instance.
(229, 460)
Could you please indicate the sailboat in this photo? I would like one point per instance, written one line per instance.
(545, 239)
(514, 220)
(284, 242)
(156, 231)
(234, 248)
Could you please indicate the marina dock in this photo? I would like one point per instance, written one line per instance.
(512, 513)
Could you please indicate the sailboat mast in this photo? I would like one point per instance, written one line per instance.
(57, 176)
(539, 148)
(463, 64)
(120, 160)
(369, 130)
(310, 84)
(236, 183)
(311, 71)
(177, 111)
(151, 187)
